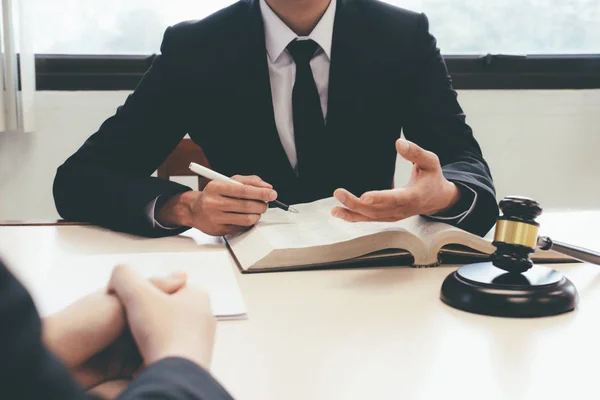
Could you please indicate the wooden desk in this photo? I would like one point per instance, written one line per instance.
(364, 334)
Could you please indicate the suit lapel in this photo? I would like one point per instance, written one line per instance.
(256, 89)
(344, 63)
(346, 83)
(359, 87)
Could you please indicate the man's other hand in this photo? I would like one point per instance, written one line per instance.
(428, 192)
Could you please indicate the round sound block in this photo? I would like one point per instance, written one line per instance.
(484, 289)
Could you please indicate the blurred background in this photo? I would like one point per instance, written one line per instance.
(527, 73)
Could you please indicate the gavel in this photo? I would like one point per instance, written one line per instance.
(511, 285)
(516, 237)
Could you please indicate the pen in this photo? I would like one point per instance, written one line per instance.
(215, 176)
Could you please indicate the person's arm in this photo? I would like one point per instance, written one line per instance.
(175, 336)
(437, 123)
(108, 180)
(27, 369)
(76, 336)
(175, 378)
(90, 336)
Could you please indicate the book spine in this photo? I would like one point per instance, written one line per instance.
(435, 264)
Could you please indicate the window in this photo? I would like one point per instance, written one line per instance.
(503, 44)
(111, 26)
(513, 26)
(470, 27)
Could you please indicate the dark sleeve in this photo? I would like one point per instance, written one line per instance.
(177, 379)
(108, 180)
(27, 369)
(437, 123)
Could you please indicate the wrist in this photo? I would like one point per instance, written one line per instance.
(177, 210)
(53, 334)
(76, 333)
(451, 196)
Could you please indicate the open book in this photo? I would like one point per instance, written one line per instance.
(313, 239)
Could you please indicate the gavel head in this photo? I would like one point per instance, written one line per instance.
(516, 234)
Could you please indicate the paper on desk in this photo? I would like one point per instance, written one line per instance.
(72, 278)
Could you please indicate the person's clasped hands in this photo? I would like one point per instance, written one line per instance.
(116, 333)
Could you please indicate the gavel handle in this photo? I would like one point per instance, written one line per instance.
(578, 253)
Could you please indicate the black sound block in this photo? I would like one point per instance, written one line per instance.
(485, 289)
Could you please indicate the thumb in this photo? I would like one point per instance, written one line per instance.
(421, 158)
(171, 284)
(129, 285)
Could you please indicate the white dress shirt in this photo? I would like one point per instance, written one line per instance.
(282, 73)
(282, 69)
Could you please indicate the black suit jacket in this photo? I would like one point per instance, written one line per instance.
(29, 371)
(212, 82)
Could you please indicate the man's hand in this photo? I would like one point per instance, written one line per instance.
(221, 208)
(428, 192)
(163, 326)
(91, 339)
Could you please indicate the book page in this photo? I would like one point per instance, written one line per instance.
(315, 226)
(314, 236)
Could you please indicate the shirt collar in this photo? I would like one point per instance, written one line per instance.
(278, 35)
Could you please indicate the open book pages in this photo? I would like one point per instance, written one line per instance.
(313, 237)
(212, 271)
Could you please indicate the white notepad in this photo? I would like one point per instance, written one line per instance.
(72, 278)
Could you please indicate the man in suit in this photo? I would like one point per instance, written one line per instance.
(311, 97)
(169, 328)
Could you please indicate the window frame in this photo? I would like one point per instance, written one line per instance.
(55, 72)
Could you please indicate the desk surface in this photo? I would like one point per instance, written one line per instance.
(364, 334)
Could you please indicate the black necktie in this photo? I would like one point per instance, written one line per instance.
(306, 108)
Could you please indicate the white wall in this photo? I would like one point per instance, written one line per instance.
(540, 144)
(543, 144)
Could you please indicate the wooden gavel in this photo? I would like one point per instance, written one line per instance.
(516, 237)
(511, 285)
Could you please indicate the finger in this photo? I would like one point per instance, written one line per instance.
(353, 203)
(421, 158)
(204, 314)
(202, 299)
(347, 198)
(241, 206)
(252, 180)
(231, 229)
(245, 220)
(171, 284)
(202, 303)
(387, 199)
(128, 285)
(248, 192)
(224, 230)
(379, 198)
(349, 216)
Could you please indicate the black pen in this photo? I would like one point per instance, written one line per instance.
(215, 176)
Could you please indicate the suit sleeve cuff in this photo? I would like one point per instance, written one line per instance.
(464, 207)
(175, 378)
(151, 212)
